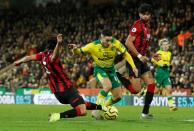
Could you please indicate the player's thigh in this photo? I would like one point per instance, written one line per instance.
(103, 78)
(62, 97)
(156, 91)
(148, 78)
(114, 80)
(168, 89)
(116, 92)
(74, 98)
(120, 64)
(92, 83)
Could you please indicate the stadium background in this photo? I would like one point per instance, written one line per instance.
(25, 27)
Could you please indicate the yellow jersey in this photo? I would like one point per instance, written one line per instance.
(104, 57)
(165, 57)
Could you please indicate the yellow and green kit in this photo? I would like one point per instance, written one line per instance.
(103, 59)
(162, 73)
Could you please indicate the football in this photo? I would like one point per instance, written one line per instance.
(111, 113)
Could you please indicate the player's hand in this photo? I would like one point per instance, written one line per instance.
(156, 57)
(135, 72)
(72, 46)
(59, 38)
(144, 59)
(17, 63)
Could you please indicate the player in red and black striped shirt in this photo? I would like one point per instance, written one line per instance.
(59, 83)
(137, 44)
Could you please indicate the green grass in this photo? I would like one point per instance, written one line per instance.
(35, 118)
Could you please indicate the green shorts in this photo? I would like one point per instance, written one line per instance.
(162, 77)
(110, 73)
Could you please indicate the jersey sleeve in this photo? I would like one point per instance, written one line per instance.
(50, 57)
(135, 30)
(120, 47)
(39, 56)
(87, 48)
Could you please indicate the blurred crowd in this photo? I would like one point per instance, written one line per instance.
(25, 32)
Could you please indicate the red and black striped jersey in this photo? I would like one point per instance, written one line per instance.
(142, 35)
(58, 80)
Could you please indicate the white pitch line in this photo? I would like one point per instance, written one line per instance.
(189, 120)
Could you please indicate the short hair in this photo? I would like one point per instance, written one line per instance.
(51, 42)
(48, 45)
(106, 32)
(162, 41)
(145, 8)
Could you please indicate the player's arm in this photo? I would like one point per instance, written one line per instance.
(154, 61)
(130, 45)
(129, 59)
(58, 48)
(25, 59)
(83, 50)
(134, 32)
(156, 58)
(126, 56)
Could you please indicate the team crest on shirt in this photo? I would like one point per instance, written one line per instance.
(134, 29)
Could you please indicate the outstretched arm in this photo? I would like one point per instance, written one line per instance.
(25, 59)
(58, 48)
(75, 49)
(82, 50)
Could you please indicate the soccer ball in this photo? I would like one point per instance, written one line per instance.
(111, 113)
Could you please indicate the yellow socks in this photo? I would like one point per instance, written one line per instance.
(101, 97)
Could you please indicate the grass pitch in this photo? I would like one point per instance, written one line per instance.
(35, 118)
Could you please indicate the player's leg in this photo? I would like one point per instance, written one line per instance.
(148, 79)
(71, 96)
(116, 96)
(158, 75)
(93, 106)
(130, 82)
(116, 89)
(92, 83)
(133, 85)
(171, 101)
(106, 84)
(103, 78)
(163, 79)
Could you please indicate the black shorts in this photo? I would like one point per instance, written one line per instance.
(142, 67)
(70, 96)
(118, 58)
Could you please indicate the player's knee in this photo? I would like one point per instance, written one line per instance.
(83, 112)
(107, 89)
(107, 85)
(82, 109)
(136, 90)
(117, 99)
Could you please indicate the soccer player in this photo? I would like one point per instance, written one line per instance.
(137, 44)
(162, 73)
(59, 83)
(103, 52)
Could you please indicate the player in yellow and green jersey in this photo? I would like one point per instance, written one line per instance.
(103, 52)
(162, 73)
